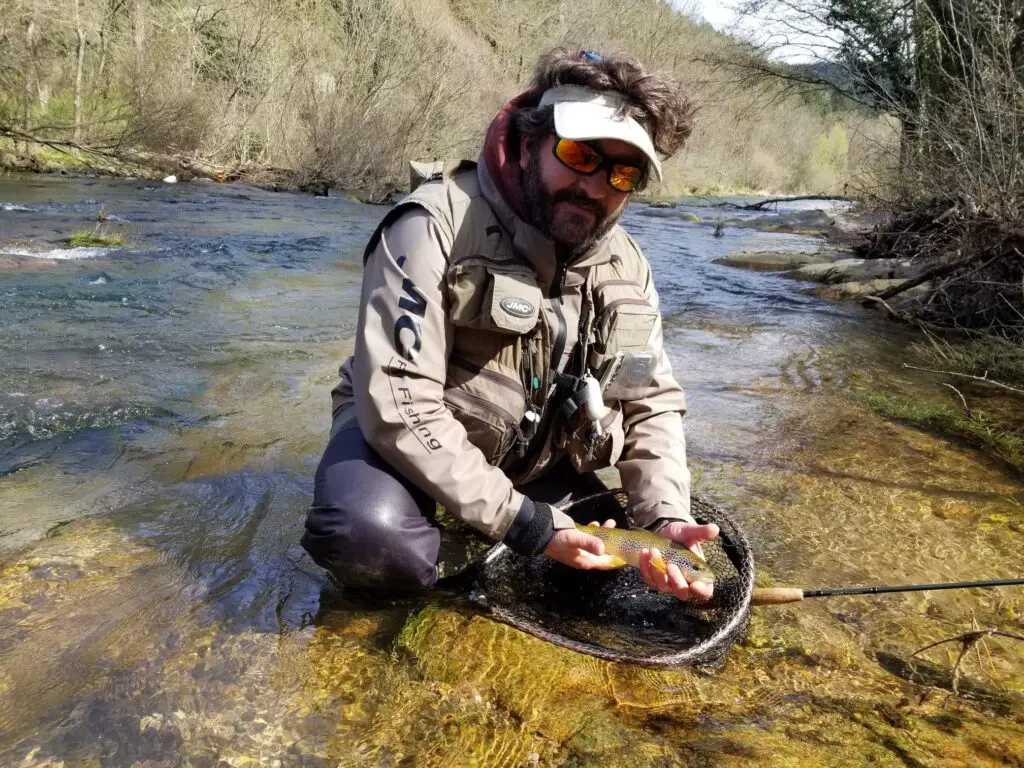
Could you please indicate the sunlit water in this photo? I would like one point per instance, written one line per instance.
(162, 409)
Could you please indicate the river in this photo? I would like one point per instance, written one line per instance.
(163, 406)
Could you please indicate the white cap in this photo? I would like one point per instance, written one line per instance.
(583, 114)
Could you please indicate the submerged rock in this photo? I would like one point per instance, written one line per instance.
(862, 288)
(855, 270)
(771, 261)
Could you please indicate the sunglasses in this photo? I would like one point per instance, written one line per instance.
(583, 158)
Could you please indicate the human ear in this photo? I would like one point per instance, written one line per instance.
(526, 146)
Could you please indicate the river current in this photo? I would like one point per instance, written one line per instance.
(163, 405)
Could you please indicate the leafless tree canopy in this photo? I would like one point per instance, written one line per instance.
(347, 91)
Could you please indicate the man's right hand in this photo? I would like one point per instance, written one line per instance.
(572, 547)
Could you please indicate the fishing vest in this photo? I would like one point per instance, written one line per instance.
(518, 410)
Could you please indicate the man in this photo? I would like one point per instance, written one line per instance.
(509, 344)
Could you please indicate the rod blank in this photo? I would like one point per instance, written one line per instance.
(780, 595)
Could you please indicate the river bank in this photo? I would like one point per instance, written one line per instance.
(840, 271)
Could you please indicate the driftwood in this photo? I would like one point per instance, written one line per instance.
(973, 261)
(776, 200)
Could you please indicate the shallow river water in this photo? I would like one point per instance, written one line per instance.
(163, 406)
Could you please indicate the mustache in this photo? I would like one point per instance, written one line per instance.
(579, 198)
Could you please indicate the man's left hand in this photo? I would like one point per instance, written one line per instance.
(671, 579)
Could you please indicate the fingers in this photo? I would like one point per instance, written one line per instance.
(605, 524)
(702, 590)
(589, 562)
(670, 579)
(585, 542)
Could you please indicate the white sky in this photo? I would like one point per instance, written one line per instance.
(723, 17)
(719, 15)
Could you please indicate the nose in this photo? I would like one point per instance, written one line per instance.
(594, 185)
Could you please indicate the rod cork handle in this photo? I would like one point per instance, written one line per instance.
(776, 595)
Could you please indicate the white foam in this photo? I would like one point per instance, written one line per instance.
(13, 207)
(98, 281)
(57, 254)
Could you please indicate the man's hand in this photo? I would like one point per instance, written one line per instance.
(576, 549)
(670, 579)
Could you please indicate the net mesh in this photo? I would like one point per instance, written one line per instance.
(614, 615)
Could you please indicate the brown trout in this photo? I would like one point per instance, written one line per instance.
(625, 545)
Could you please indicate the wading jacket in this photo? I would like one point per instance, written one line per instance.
(466, 327)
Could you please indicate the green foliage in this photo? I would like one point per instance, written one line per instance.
(96, 238)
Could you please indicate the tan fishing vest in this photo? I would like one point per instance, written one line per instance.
(499, 380)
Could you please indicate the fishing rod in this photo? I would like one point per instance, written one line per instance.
(780, 595)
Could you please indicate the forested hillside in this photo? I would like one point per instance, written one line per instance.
(347, 91)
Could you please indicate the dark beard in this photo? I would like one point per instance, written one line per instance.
(576, 234)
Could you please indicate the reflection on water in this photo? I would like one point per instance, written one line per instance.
(162, 409)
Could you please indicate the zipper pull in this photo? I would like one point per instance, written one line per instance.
(526, 431)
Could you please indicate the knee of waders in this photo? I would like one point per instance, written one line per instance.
(370, 547)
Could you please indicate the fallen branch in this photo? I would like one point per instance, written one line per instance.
(962, 399)
(983, 379)
(775, 200)
(967, 641)
(924, 277)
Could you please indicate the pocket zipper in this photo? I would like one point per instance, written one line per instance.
(471, 401)
(505, 381)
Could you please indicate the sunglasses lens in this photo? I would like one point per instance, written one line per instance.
(625, 178)
(577, 156)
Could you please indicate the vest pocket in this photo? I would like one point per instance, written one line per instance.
(624, 321)
(501, 298)
(490, 427)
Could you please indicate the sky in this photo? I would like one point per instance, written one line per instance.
(717, 14)
(723, 17)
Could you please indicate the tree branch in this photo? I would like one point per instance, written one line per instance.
(983, 379)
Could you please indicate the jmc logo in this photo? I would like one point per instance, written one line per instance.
(517, 307)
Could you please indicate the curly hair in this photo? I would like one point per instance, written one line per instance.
(657, 101)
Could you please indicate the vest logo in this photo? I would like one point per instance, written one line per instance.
(517, 307)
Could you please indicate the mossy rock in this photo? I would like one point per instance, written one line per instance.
(96, 238)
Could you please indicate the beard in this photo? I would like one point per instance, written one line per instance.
(573, 230)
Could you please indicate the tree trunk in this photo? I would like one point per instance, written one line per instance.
(139, 26)
(78, 72)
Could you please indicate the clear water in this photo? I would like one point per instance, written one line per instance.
(162, 409)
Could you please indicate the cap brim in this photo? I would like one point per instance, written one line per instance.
(583, 121)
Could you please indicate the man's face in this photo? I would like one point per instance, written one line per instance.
(573, 209)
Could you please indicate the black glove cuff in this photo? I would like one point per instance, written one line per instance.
(532, 529)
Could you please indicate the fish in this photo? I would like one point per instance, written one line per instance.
(626, 544)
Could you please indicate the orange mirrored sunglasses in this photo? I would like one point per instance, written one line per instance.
(583, 158)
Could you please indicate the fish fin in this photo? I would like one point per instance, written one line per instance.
(616, 562)
(658, 563)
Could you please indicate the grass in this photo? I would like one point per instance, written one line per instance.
(974, 428)
(96, 238)
(1002, 360)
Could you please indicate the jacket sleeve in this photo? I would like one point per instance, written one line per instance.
(653, 462)
(403, 342)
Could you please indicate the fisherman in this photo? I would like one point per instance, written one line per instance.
(509, 344)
